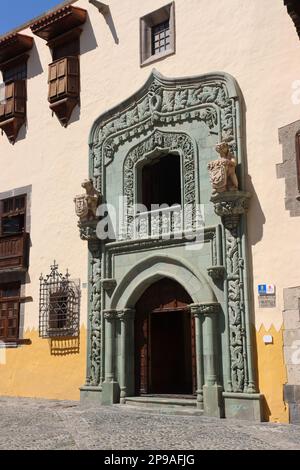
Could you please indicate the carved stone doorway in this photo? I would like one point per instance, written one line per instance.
(164, 341)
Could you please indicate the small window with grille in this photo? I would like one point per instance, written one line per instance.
(157, 34)
(161, 37)
(9, 312)
(59, 305)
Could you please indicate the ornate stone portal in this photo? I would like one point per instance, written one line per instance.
(186, 117)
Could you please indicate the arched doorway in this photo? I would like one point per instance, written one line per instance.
(164, 341)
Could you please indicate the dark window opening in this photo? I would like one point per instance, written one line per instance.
(66, 49)
(161, 182)
(19, 72)
(12, 215)
(160, 37)
(58, 310)
(9, 311)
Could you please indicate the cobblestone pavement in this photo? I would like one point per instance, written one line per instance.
(49, 424)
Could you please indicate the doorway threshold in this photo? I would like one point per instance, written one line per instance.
(179, 400)
(164, 404)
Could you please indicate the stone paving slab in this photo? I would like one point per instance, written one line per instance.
(49, 424)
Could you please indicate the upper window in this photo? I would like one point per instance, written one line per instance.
(161, 182)
(12, 215)
(17, 72)
(157, 31)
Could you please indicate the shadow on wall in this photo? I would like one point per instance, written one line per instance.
(88, 40)
(34, 67)
(75, 116)
(256, 217)
(64, 346)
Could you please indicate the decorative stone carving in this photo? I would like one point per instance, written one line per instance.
(163, 101)
(205, 308)
(162, 141)
(86, 204)
(126, 314)
(87, 230)
(95, 327)
(216, 272)
(230, 206)
(222, 171)
(110, 314)
(109, 285)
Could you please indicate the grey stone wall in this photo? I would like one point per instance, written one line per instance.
(291, 337)
(288, 168)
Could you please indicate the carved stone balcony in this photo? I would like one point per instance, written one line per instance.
(158, 223)
(14, 250)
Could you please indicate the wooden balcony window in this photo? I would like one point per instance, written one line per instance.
(64, 87)
(14, 252)
(14, 242)
(13, 108)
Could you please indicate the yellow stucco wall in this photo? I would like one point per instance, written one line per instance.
(45, 368)
(272, 375)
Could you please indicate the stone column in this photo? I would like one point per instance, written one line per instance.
(231, 206)
(125, 317)
(91, 390)
(212, 392)
(110, 387)
(196, 313)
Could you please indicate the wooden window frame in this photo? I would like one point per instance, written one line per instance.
(13, 299)
(13, 212)
(147, 22)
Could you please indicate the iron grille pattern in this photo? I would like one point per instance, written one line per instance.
(161, 37)
(59, 311)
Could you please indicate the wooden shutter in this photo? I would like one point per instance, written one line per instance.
(15, 99)
(9, 320)
(64, 78)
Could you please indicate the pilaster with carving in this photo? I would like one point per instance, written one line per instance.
(231, 206)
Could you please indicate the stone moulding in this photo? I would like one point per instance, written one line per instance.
(230, 206)
(160, 102)
(216, 272)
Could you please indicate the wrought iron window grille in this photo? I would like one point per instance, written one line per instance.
(59, 311)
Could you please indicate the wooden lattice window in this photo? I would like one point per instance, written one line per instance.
(12, 215)
(14, 103)
(9, 312)
(59, 305)
(64, 78)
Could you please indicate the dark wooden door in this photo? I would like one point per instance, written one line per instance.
(164, 341)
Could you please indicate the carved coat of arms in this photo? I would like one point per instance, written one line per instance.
(218, 174)
(81, 206)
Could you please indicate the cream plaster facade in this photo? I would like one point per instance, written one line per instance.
(256, 42)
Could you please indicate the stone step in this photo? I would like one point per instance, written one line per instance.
(162, 405)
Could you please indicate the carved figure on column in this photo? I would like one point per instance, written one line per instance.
(222, 171)
(86, 204)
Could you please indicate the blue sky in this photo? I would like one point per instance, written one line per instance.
(14, 13)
